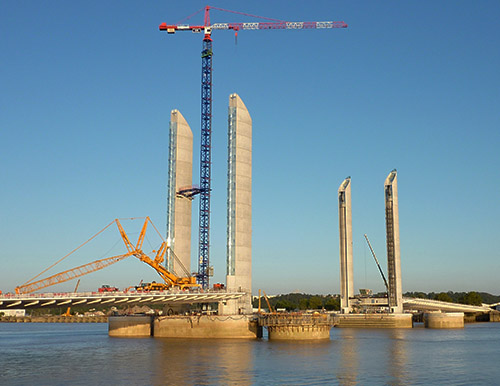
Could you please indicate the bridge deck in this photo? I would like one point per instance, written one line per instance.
(417, 304)
(436, 305)
(47, 300)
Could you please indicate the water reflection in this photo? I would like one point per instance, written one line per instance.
(202, 362)
(373, 355)
(235, 362)
(348, 368)
(398, 356)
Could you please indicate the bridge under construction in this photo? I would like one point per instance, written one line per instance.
(181, 287)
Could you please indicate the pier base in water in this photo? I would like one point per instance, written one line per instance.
(307, 332)
(444, 320)
(374, 320)
(207, 326)
(130, 326)
(297, 326)
(191, 326)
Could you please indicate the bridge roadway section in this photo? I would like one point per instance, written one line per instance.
(436, 305)
(48, 300)
(417, 304)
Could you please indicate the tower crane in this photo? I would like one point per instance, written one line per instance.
(206, 106)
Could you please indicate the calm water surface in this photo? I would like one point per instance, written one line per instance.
(83, 354)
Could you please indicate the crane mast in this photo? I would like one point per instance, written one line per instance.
(206, 109)
(205, 162)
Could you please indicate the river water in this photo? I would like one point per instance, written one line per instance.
(83, 354)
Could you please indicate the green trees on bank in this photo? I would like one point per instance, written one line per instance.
(295, 301)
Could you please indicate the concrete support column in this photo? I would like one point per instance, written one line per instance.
(345, 239)
(180, 176)
(239, 207)
(392, 236)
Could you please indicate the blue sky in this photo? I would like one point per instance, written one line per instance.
(86, 93)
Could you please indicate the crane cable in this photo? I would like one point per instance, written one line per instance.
(74, 250)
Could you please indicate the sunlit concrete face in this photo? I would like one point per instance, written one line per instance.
(392, 237)
(345, 239)
(239, 206)
(178, 207)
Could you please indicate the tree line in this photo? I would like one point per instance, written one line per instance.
(299, 301)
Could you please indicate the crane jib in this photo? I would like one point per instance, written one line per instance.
(280, 25)
(256, 26)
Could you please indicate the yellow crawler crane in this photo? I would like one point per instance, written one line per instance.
(169, 278)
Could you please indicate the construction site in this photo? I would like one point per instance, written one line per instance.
(192, 306)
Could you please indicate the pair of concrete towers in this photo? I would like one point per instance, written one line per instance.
(395, 294)
(239, 201)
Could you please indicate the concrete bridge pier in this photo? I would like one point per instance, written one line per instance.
(133, 326)
(442, 320)
(185, 326)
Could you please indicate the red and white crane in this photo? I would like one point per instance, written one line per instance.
(206, 107)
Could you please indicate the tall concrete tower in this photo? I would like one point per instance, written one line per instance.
(180, 177)
(393, 250)
(345, 229)
(239, 206)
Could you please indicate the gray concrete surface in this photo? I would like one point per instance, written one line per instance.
(179, 208)
(239, 210)
(345, 240)
(393, 248)
(444, 320)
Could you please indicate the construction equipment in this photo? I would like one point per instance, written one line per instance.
(218, 286)
(271, 309)
(206, 108)
(378, 265)
(68, 311)
(170, 279)
(107, 288)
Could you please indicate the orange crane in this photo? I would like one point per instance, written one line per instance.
(170, 279)
(271, 309)
(68, 311)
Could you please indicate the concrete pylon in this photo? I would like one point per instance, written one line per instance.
(239, 207)
(392, 236)
(345, 239)
(180, 177)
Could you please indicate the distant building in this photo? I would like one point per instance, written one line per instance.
(17, 313)
(365, 292)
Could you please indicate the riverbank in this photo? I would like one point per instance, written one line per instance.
(53, 319)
